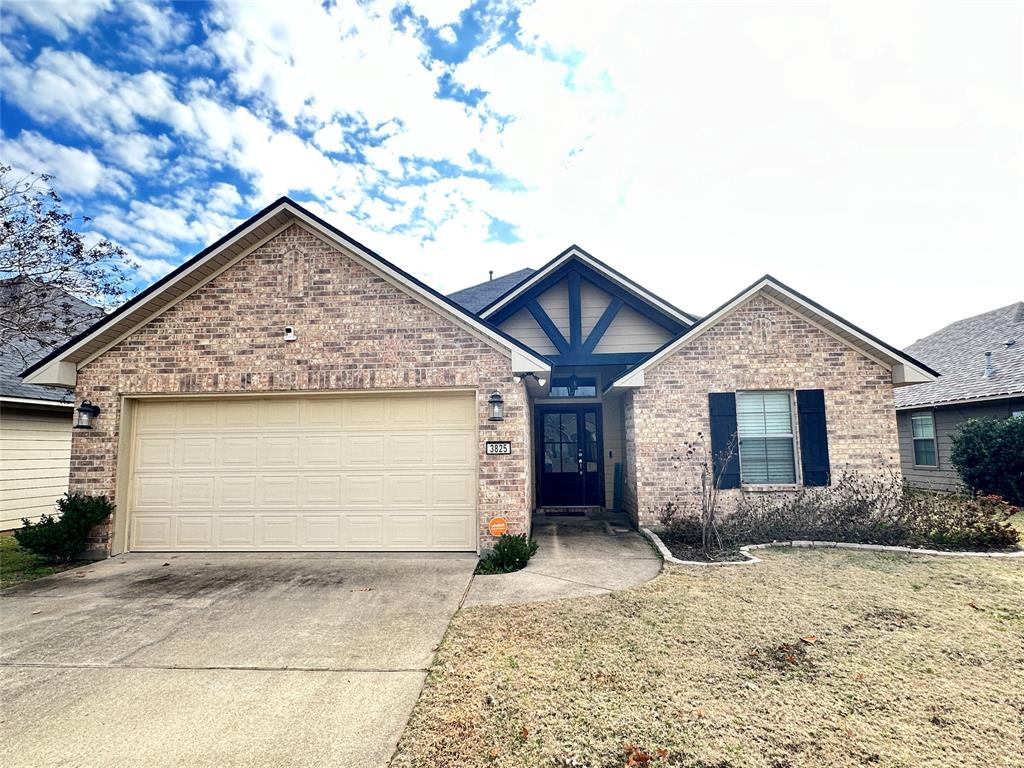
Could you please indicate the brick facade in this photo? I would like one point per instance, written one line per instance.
(356, 331)
(759, 345)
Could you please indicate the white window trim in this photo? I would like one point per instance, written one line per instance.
(934, 438)
(794, 436)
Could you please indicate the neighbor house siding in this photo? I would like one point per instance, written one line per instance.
(614, 444)
(759, 345)
(35, 453)
(948, 419)
(356, 332)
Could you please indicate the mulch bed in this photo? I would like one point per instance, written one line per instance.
(686, 551)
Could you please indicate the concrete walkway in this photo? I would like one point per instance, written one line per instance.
(577, 557)
(225, 660)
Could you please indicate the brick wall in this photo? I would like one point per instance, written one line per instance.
(356, 331)
(760, 345)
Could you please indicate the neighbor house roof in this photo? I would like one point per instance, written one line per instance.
(476, 297)
(61, 366)
(958, 353)
(905, 369)
(21, 351)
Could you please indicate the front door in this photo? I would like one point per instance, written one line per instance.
(569, 444)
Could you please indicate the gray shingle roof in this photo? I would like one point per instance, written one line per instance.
(19, 353)
(476, 297)
(957, 352)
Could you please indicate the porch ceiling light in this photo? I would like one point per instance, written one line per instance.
(86, 413)
(495, 407)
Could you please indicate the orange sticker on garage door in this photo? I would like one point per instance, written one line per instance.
(497, 526)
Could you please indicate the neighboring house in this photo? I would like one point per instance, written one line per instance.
(289, 389)
(981, 360)
(35, 421)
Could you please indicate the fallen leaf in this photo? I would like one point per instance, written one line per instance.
(362, 589)
(36, 612)
(165, 565)
(699, 713)
(525, 733)
(662, 753)
(494, 753)
(973, 605)
(810, 639)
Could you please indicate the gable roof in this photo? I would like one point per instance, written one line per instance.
(958, 353)
(905, 369)
(575, 252)
(476, 297)
(18, 352)
(60, 366)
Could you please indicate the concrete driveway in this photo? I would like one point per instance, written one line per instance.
(221, 660)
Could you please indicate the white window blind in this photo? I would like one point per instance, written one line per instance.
(765, 425)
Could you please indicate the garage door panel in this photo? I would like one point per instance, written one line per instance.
(154, 453)
(454, 449)
(237, 452)
(197, 452)
(364, 490)
(154, 491)
(453, 531)
(237, 532)
(410, 490)
(196, 492)
(305, 473)
(236, 491)
(279, 452)
(363, 450)
(278, 531)
(194, 532)
(278, 491)
(409, 450)
(365, 531)
(411, 531)
(153, 532)
(454, 490)
(321, 451)
(321, 491)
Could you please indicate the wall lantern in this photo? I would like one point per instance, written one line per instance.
(521, 376)
(86, 413)
(495, 407)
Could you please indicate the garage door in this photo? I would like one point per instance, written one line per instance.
(313, 473)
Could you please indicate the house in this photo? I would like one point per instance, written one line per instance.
(981, 360)
(289, 389)
(35, 421)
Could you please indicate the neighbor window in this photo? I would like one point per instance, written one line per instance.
(923, 427)
(573, 387)
(765, 425)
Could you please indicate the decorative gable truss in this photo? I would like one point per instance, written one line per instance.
(577, 311)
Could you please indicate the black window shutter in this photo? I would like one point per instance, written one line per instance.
(810, 409)
(722, 406)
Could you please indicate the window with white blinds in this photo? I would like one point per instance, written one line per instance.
(764, 422)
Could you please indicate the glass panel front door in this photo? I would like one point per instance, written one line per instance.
(569, 441)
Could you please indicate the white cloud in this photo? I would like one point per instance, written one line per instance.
(137, 152)
(58, 17)
(448, 34)
(74, 170)
(159, 24)
(440, 13)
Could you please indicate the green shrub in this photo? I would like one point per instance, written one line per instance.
(864, 510)
(989, 455)
(63, 536)
(511, 553)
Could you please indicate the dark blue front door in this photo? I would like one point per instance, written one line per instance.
(569, 454)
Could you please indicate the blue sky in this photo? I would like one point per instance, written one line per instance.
(873, 163)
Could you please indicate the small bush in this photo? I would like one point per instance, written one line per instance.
(864, 510)
(511, 553)
(61, 537)
(989, 455)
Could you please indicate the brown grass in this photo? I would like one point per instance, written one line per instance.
(811, 658)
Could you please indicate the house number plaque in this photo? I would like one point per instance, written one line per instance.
(498, 448)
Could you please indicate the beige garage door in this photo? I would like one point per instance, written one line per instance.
(314, 473)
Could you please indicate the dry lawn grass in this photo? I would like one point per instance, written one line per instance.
(905, 662)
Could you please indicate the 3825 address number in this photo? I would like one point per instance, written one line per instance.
(498, 448)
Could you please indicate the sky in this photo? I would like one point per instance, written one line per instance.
(870, 155)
